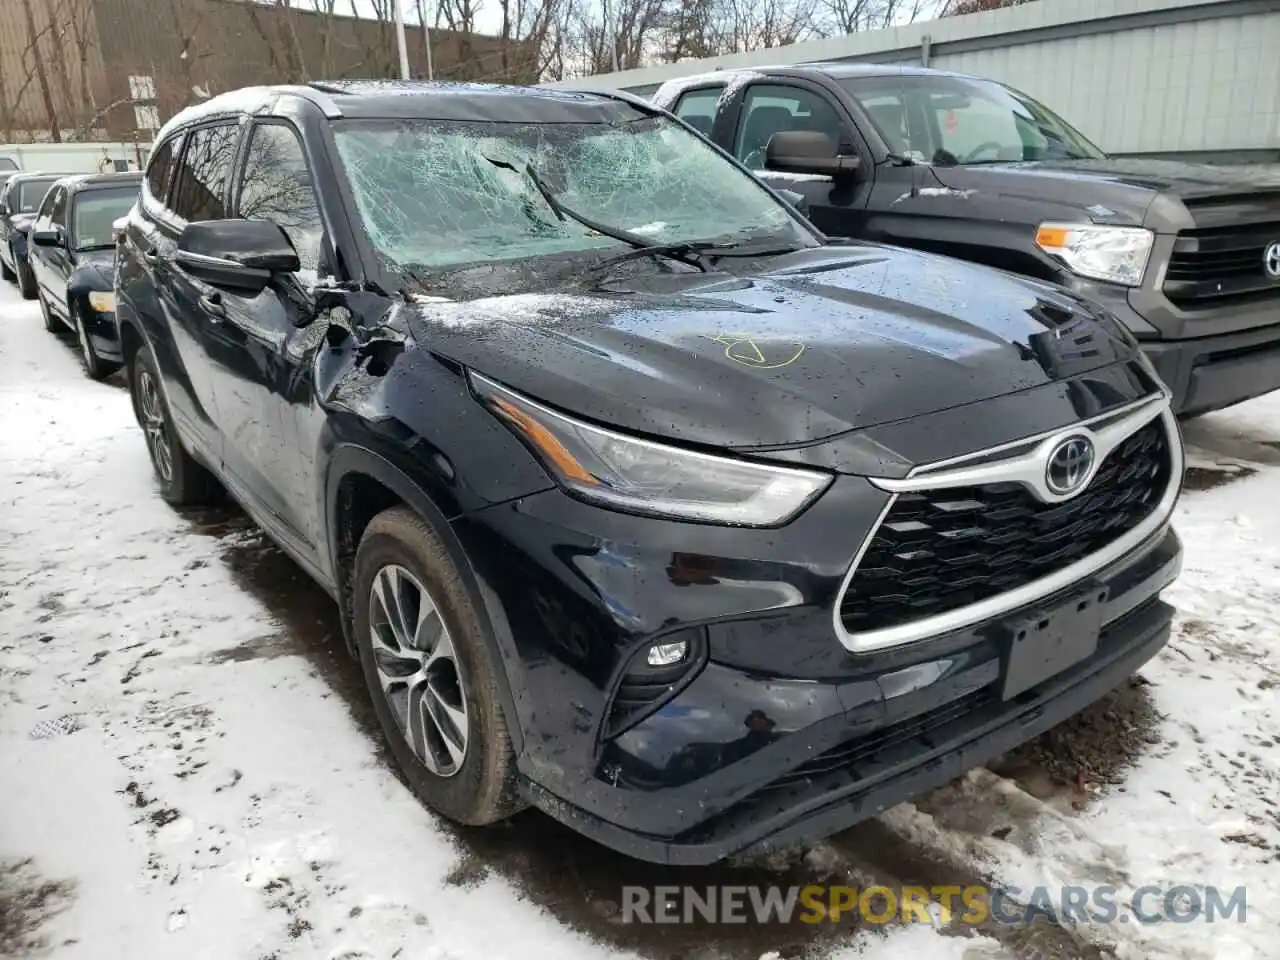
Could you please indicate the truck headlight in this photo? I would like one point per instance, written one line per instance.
(102, 302)
(1114, 254)
(640, 476)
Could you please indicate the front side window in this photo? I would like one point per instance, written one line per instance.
(205, 171)
(770, 108)
(94, 212)
(440, 194)
(949, 120)
(29, 194)
(276, 186)
(54, 206)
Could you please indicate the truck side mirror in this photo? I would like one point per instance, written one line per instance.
(809, 151)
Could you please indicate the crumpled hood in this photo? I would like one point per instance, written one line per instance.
(828, 341)
(22, 221)
(1108, 190)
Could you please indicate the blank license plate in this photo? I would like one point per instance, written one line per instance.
(1044, 644)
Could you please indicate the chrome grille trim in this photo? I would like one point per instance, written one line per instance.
(1107, 431)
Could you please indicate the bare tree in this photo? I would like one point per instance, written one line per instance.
(956, 8)
(42, 77)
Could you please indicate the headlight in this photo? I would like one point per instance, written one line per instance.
(103, 302)
(639, 476)
(1114, 254)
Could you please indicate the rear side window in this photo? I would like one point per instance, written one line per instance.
(160, 169)
(204, 173)
(698, 108)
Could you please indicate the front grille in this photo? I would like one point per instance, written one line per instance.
(1210, 265)
(940, 550)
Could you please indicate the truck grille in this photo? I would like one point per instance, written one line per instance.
(1210, 265)
(940, 550)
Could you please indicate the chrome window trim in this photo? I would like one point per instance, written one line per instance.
(1116, 427)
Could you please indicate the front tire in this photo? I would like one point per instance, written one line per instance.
(5, 269)
(183, 480)
(433, 679)
(26, 279)
(94, 366)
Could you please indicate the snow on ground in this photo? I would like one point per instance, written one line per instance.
(189, 766)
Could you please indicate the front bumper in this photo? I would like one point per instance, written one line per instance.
(1211, 373)
(103, 334)
(1210, 358)
(776, 733)
(855, 764)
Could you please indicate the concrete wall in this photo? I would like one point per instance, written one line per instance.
(1136, 76)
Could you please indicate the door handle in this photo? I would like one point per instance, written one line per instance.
(211, 304)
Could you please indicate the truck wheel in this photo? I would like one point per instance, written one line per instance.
(183, 480)
(433, 679)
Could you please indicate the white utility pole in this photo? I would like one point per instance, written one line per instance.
(426, 38)
(398, 13)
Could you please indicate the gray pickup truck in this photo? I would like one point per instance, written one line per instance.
(1186, 256)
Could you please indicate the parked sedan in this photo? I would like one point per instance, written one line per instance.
(73, 255)
(19, 201)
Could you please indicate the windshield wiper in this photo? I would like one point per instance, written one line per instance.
(685, 253)
(703, 249)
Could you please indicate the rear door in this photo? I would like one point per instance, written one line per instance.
(51, 265)
(199, 193)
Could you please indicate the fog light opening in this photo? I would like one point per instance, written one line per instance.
(667, 654)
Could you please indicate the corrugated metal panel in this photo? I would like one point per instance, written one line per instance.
(71, 52)
(1206, 85)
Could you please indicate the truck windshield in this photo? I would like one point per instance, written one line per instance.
(440, 194)
(958, 120)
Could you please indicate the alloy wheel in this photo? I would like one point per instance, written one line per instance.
(153, 426)
(418, 669)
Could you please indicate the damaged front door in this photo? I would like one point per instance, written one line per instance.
(266, 344)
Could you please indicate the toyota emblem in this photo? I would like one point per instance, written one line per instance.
(1271, 261)
(1069, 467)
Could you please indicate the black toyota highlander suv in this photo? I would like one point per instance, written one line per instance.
(1186, 256)
(641, 501)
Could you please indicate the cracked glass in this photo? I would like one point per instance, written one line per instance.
(432, 194)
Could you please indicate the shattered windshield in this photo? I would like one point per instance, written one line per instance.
(438, 194)
(948, 120)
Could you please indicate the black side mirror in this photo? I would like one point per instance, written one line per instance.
(809, 151)
(240, 254)
(48, 238)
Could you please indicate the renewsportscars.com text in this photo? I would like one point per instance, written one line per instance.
(937, 905)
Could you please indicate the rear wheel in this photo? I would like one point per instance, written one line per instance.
(94, 366)
(183, 480)
(433, 678)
